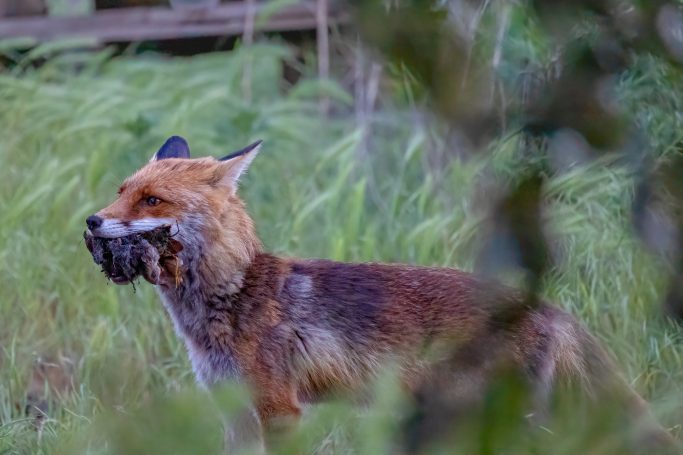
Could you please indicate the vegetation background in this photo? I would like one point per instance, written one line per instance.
(379, 178)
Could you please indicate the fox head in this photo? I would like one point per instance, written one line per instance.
(197, 198)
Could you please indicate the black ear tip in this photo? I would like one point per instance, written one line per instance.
(252, 146)
(174, 147)
(176, 141)
(244, 151)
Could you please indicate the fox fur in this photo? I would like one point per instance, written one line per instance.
(300, 330)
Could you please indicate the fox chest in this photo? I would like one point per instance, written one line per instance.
(211, 364)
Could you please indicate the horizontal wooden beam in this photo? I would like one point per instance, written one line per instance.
(159, 23)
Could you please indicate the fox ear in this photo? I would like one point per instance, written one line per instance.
(174, 147)
(234, 164)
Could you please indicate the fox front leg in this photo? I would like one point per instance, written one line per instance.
(277, 420)
(243, 434)
(279, 412)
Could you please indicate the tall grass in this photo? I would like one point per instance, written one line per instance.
(69, 138)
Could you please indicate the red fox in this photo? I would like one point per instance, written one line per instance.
(297, 331)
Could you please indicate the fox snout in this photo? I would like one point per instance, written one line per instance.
(113, 227)
(93, 222)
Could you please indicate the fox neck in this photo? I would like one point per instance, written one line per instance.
(215, 257)
(216, 253)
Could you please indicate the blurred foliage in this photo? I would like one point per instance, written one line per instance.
(565, 110)
(558, 131)
(449, 49)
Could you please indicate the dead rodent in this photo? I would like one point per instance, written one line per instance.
(123, 259)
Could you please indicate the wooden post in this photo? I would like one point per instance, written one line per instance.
(247, 41)
(323, 48)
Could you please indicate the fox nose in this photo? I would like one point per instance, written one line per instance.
(93, 222)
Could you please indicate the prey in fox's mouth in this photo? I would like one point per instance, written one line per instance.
(149, 254)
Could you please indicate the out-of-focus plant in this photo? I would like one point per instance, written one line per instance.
(563, 107)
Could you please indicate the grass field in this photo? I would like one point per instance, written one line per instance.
(69, 138)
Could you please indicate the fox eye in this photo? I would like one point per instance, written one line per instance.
(153, 200)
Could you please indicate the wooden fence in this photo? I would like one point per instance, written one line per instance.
(158, 23)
